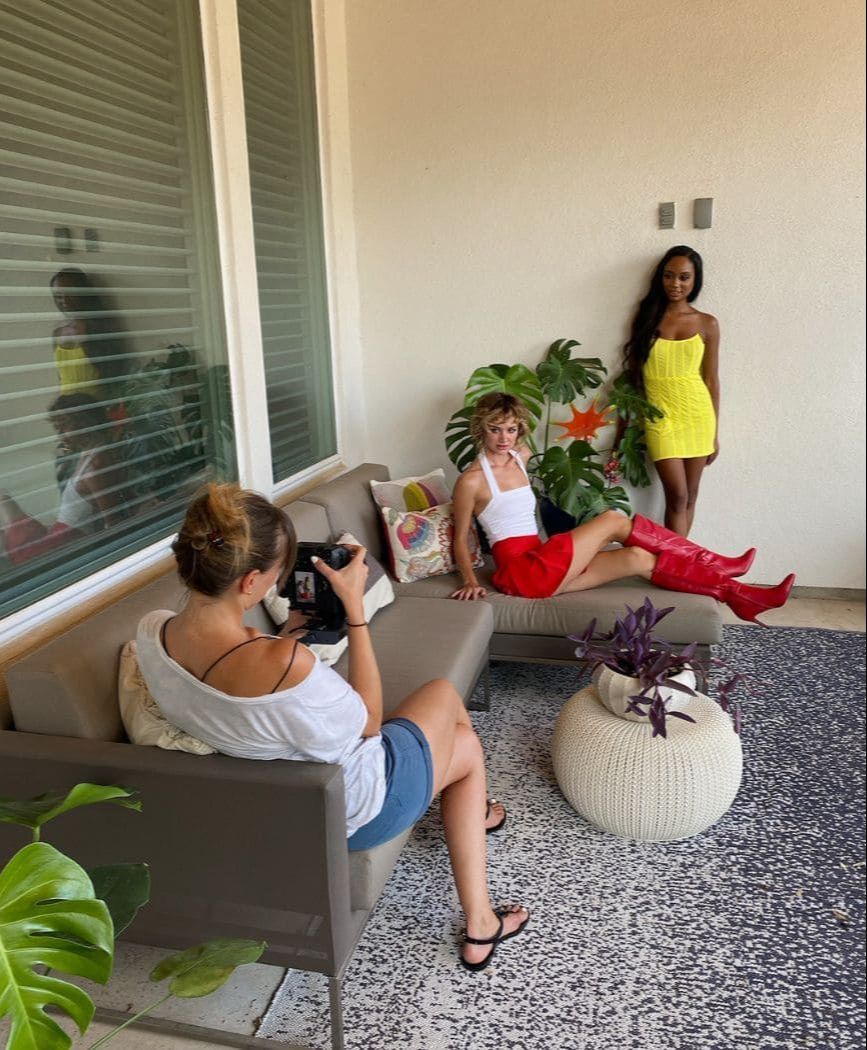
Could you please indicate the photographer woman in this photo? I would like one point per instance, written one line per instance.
(264, 697)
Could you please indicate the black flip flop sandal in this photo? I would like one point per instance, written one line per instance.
(498, 937)
(496, 827)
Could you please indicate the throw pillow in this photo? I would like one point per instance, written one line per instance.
(142, 719)
(414, 493)
(378, 592)
(420, 542)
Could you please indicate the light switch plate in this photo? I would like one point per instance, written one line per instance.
(702, 213)
(666, 216)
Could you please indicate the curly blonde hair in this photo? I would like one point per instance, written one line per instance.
(494, 408)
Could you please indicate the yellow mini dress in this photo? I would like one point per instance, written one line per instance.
(673, 382)
(75, 372)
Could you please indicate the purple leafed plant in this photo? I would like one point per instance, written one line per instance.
(631, 649)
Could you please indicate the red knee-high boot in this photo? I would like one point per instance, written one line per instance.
(685, 571)
(656, 538)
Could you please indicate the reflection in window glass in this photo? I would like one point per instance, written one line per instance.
(114, 399)
(280, 110)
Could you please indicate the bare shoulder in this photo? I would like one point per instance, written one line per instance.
(709, 325)
(259, 668)
(525, 453)
(468, 482)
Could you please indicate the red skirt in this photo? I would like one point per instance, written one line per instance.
(529, 568)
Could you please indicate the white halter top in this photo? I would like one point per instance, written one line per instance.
(510, 513)
(74, 510)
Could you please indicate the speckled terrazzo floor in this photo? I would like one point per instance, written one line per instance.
(748, 936)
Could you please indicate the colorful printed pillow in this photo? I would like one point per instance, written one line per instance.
(420, 542)
(378, 592)
(415, 493)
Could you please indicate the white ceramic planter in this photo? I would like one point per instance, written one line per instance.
(614, 690)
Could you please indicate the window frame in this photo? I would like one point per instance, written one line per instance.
(218, 21)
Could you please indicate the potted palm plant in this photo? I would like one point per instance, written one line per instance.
(638, 675)
(567, 471)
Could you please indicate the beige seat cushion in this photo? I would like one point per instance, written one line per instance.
(695, 617)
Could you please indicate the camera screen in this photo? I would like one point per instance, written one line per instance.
(305, 587)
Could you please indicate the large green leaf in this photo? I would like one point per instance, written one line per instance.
(629, 403)
(49, 917)
(563, 378)
(203, 969)
(516, 380)
(125, 888)
(460, 446)
(632, 455)
(35, 812)
(573, 479)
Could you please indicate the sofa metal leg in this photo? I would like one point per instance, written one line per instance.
(336, 1013)
(484, 680)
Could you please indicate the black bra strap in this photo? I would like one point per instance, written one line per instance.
(240, 645)
(288, 668)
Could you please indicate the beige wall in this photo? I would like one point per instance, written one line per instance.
(508, 158)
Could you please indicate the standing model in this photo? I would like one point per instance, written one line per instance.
(672, 355)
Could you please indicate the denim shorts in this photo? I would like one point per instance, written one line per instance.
(408, 784)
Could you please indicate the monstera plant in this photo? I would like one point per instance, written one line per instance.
(576, 477)
(56, 918)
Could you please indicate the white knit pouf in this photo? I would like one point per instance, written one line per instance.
(624, 781)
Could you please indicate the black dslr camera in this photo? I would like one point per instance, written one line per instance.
(310, 593)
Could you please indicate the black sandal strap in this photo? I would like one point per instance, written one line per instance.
(485, 940)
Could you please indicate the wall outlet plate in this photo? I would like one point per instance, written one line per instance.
(702, 213)
(666, 215)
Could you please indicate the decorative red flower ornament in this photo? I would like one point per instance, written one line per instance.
(584, 426)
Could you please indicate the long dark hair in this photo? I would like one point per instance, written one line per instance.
(645, 325)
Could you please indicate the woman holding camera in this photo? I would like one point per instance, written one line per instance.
(260, 696)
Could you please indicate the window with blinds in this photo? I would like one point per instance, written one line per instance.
(114, 396)
(280, 109)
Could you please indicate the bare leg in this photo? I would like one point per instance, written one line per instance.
(459, 772)
(693, 469)
(672, 474)
(9, 510)
(589, 539)
(611, 565)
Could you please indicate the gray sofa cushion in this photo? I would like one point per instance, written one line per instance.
(68, 687)
(369, 869)
(349, 505)
(695, 618)
(417, 640)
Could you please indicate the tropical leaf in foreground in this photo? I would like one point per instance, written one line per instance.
(205, 968)
(125, 888)
(49, 917)
(35, 812)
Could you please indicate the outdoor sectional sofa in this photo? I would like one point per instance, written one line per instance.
(258, 849)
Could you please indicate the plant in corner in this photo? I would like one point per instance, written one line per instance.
(576, 478)
(637, 674)
(54, 914)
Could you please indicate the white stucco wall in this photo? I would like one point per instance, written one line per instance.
(508, 159)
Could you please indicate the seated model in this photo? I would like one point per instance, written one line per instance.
(91, 499)
(264, 697)
(496, 490)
